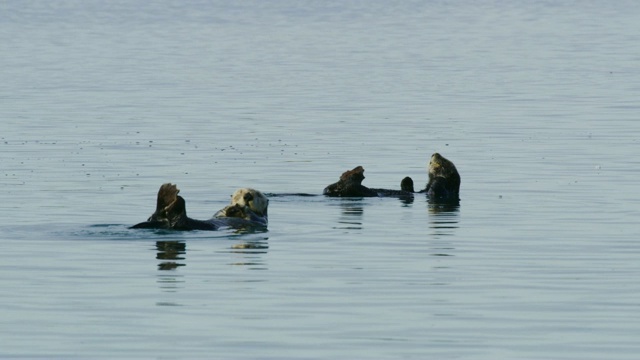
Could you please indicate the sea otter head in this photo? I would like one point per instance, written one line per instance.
(441, 167)
(252, 199)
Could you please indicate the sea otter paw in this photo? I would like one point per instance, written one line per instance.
(237, 211)
(167, 195)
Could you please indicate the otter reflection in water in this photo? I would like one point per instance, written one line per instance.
(169, 252)
(350, 215)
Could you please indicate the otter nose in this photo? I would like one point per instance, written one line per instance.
(248, 197)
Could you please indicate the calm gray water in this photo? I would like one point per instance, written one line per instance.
(535, 102)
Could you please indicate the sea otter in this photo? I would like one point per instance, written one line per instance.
(443, 185)
(350, 185)
(248, 207)
(248, 204)
(444, 180)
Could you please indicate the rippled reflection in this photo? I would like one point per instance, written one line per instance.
(443, 219)
(170, 252)
(351, 214)
(406, 199)
(250, 253)
(443, 222)
(446, 207)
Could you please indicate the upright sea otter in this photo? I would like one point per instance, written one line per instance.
(444, 180)
(350, 185)
(248, 207)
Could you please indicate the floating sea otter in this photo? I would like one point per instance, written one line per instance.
(248, 208)
(444, 180)
(350, 185)
(443, 185)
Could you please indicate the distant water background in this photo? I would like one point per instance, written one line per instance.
(536, 102)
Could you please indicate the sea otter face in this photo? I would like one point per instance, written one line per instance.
(439, 166)
(251, 198)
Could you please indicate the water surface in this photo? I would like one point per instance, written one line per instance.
(536, 103)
